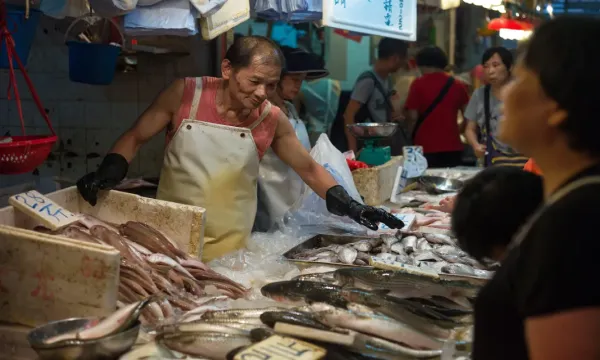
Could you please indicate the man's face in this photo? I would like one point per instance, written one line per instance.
(252, 85)
(398, 63)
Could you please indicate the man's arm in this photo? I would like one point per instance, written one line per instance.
(287, 146)
(115, 164)
(152, 121)
(360, 95)
(289, 149)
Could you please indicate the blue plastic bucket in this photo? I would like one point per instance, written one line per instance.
(22, 31)
(92, 63)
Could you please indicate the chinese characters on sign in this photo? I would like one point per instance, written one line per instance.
(400, 11)
(341, 2)
(387, 6)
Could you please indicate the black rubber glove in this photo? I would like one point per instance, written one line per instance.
(111, 171)
(339, 202)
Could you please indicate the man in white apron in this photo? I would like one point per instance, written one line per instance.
(279, 186)
(217, 131)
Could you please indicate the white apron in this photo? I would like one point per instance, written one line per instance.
(214, 166)
(279, 185)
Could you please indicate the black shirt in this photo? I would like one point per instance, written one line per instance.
(554, 269)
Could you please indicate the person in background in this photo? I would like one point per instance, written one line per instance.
(485, 109)
(492, 207)
(319, 98)
(432, 107)
(370, 99)
(543, 303)
(448, 204)
(279, 187)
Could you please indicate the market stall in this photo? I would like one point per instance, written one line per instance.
(123, 279)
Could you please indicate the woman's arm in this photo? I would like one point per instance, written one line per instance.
(569, 335)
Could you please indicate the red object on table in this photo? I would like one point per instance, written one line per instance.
(24, 153)
(355, 164)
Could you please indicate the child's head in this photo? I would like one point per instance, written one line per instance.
(492, 207)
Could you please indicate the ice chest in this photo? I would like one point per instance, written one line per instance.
(45, 278)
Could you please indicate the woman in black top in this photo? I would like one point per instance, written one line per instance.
(544, 302)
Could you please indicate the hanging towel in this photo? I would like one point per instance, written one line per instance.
(168, 17)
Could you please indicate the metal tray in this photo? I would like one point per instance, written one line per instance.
(319, 241)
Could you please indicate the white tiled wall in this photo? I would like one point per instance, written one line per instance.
(88, 118)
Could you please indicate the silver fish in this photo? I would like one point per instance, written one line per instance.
(363, 256)
(360, 262)
(363, 245)
(383, 349)
(347, 255)
(427, 256)
(238, 313)
(423, 245)
(205, 327)
(326, 277)
(375, 242)
(383, 328)
(458, 269)
(205, 345)
(398, 248)
(409, 242)
(389, 239)
(440, 239)
(483, 273)
(450, 250)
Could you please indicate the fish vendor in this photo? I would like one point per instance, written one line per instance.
(279, 187)
(217, 130)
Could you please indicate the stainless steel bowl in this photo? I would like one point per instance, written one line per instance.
(373, 130)
(440, 185)
(110, 347)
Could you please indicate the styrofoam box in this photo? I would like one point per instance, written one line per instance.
(45, 278)
(388, 18)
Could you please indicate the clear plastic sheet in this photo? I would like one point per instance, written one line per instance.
(310, 215)
(260, 262)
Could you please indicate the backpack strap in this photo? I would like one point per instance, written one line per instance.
(438, 99)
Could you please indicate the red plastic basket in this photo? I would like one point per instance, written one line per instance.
(23, 153)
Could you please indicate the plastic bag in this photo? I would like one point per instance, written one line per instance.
(59, 9)
(260, 262)
(168, 17)
(310, 211)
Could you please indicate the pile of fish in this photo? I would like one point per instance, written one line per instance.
(437, 252)
(151, 263)
(383, 324)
